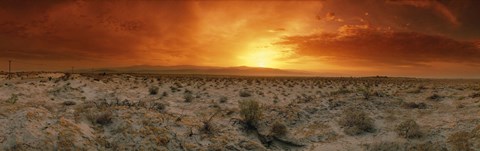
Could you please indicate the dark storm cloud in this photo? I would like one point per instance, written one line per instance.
(385, 47)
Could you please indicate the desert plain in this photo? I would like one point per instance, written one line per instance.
(94, 111)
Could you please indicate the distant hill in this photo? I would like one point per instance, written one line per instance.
(189, 69)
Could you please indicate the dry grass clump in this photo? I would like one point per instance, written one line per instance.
(460, 105)
(13, 99)
(413, 105)
(418, 89)
(65, 77)
(460, 141)
(69, 103)
(341, 91)
(251, 112)
(384, 146)
(476, 132)
(475, 95)
(367, 93)
(65, 140)
(408, 129)
(435, 97)
(397, 146)
(103, 118)
(223, 99)
(153, 90)
(245, 93)
(355, 121)
(159, 107)
(188, 97)
(279, 129)
(208, 126)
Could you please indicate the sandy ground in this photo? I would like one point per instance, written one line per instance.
(51, 111)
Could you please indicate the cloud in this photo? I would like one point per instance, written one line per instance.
(95, 30)
(145, 32)
(434, 5)
(380, 46)
(329, 16)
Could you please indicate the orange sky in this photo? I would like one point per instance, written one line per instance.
(349, 37)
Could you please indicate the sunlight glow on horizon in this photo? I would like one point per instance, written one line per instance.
(261, 53)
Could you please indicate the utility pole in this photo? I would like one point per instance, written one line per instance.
(9, 68)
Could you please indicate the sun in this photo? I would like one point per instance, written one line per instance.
(262, 53)
(264, 58)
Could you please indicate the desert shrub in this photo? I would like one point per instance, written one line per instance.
(341, 91)
(460, 105)
(208, 126)
(333, 104)
(66, 140)
(418, 89)
(305, 98)
(366, 93)
(384, 146)
(153, 90)
(223, 99)
(460, 141)
(159, 106)
(408, 129)
(69, 103)
(13, 99)
(429, 146)
(475, 95)
(355, 121)
(413, 105)
(103, 118)
(174, 89)
(251, 112)
(397, 146)
(279, 129)
(435, 97)
(66, 76)
(476, 132)
(245, 93)
(188, 97)
(414, 91)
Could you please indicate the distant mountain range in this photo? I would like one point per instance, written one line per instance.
(190, 69)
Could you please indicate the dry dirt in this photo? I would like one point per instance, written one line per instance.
(56, 111)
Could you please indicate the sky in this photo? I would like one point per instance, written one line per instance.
(421, 38)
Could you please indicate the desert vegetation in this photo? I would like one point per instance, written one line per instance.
(57, 111)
